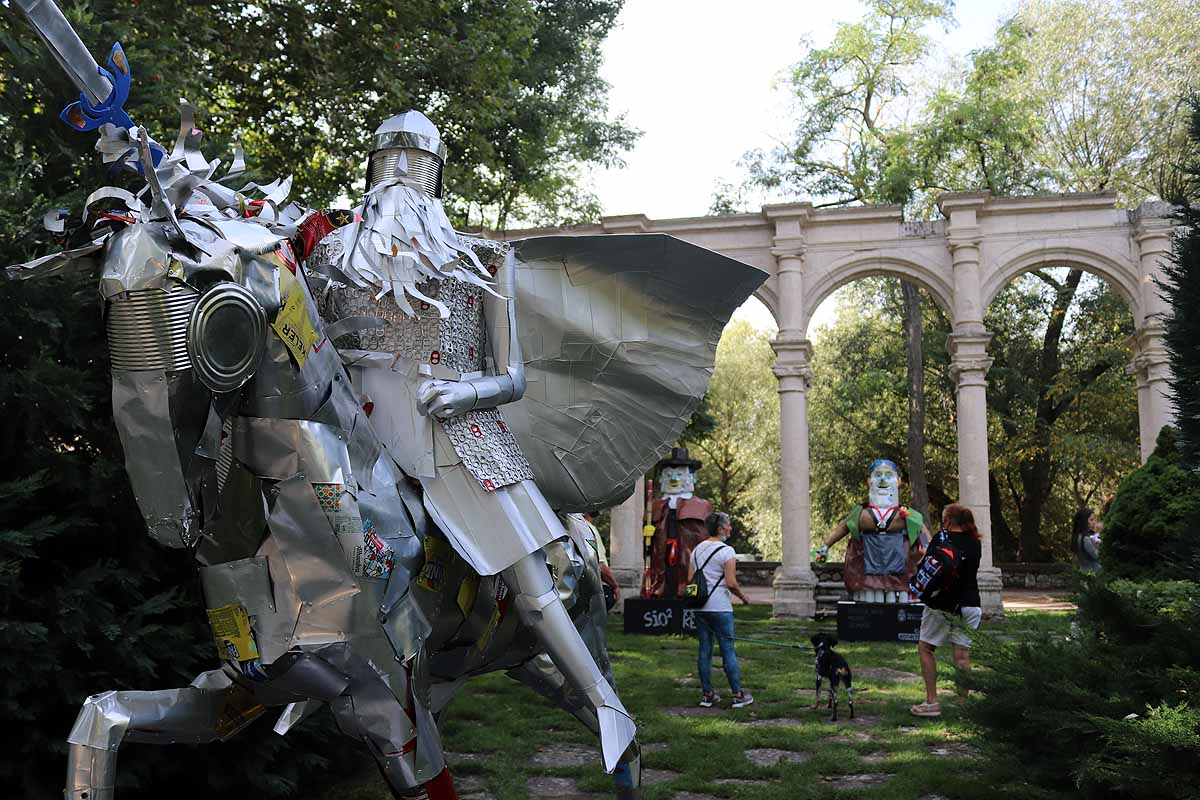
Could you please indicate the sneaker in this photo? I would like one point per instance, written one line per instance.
(742, 699)
(709, 699)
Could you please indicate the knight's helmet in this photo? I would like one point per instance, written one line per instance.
(408, 144)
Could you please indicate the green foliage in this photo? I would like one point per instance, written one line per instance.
(514, 87)
(1062, 410)
(849, 144)
(1150, 530)
(1064, 705)
(738, 441)
(858, 403)
(1181, 288)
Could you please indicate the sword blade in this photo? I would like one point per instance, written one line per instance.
(67, 49)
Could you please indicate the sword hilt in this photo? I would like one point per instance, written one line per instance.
(103, 91)
(64, 44)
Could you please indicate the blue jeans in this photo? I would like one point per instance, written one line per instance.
(717, 624)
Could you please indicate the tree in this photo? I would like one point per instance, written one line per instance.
(851, 145)
(850, 142)
(87, 601)
(1062, 407)
(513, 85)
(859, 399)
(740, 451)
(1182, 290)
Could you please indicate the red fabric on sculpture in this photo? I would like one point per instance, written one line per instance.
(690, 514)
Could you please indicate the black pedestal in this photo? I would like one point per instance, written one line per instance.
(879, 622)
(658, 615)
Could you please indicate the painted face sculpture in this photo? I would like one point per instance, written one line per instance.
(677, 481)
(883, 484)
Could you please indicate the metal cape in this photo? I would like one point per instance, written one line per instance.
(619, 336)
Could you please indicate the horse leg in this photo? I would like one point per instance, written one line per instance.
(211, 708)
(389, 715)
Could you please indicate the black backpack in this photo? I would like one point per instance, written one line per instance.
(935, 583)
(696, 593)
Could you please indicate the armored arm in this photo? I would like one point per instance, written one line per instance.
(507, 385)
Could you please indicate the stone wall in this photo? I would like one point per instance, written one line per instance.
(830, 589)
(1052, 577)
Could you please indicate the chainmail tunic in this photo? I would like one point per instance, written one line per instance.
(458, 342)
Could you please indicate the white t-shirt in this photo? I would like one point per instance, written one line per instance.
(718, 594)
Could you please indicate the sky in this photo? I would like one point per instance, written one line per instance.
(699, 79)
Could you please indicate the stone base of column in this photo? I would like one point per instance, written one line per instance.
(991, 592)
(630, 581)
(795, 593)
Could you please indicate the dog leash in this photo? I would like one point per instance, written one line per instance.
(772, 644)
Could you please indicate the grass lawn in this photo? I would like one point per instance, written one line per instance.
(496, 728)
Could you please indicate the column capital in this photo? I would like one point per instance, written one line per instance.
(625, 223)
(791, 350)
(969, 361)
(792, 250)
(961, 239)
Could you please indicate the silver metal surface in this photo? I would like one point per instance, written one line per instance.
(148, 328)
(409, 129)
(226, 336)
(67, 49)
(420, 167)
(619, 336)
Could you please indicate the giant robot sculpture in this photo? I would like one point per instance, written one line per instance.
(332, 575)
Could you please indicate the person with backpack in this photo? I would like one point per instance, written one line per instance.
(950, 591)
(712, 577)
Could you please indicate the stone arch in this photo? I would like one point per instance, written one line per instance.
(769, 297)
(857, 266)
(1123, 277)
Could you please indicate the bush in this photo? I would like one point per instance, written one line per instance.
(1150, 532)
(1064, 705)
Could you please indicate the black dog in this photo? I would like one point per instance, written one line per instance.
(831, 666)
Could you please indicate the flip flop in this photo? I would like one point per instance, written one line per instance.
(927, 710)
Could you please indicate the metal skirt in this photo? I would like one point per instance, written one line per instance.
(490, 530)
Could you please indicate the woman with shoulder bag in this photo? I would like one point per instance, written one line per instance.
(715, 560)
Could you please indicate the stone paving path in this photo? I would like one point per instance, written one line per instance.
(865, 768)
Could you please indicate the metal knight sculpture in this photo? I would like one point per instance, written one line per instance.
(369, 530)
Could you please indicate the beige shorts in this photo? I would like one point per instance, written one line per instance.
(938, 626)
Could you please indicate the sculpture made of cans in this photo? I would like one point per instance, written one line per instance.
(353, 551)
(245, 443)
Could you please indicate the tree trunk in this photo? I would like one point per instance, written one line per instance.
(1004, 543)
(914, 352)
(1036, 470)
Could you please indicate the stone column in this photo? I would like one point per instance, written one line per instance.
(969, 365)
(1152, 370)
(795, 583)
(1153, 231)
(625, 543)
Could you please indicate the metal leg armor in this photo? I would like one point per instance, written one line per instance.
(540, 674)
(540, 609)
(211, 708)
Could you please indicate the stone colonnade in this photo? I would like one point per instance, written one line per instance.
(964, 261)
